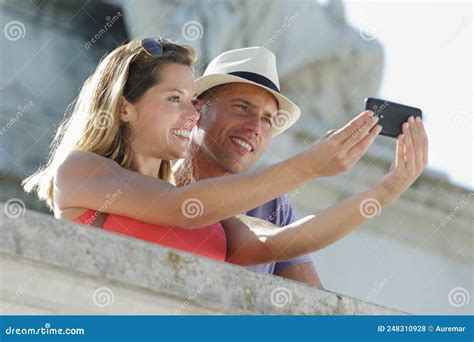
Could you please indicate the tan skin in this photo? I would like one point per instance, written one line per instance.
(241, 110)
(84, 179)
(245, 111)
(163, 108)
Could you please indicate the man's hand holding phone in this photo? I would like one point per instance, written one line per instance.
(410, 160)
(339, 149)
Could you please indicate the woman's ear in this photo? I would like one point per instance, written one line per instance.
(128, 111)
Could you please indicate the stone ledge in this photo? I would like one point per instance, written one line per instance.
(164, 271)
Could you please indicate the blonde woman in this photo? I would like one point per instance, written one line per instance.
(110, 165)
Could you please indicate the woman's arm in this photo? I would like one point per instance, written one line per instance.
(253, 241)
(85, 179)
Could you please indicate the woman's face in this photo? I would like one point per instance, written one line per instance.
(162, 119)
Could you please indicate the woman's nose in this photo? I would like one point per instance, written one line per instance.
(191, 115)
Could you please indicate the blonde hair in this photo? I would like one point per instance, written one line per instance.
(94, 124)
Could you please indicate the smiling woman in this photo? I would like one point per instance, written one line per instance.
(164, 114)
(134, 115)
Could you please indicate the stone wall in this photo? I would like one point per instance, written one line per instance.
(59, 267)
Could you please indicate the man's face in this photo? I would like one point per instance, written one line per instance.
(235, 128)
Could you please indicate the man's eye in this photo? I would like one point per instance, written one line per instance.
(267, 120)
(174, 98)
(241, 106)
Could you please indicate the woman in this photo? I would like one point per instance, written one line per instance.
(110, 165)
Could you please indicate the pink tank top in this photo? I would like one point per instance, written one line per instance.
(209, 241)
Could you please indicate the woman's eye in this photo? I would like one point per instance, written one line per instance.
(174, 98)
(194, 103)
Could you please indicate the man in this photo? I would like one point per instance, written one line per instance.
(241, 109)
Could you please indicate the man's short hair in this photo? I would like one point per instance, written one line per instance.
(211, 93)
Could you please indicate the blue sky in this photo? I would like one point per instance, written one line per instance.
(428, 51)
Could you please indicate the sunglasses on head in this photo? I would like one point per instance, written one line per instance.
(154, 46)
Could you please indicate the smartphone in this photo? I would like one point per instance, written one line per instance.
(391, 115)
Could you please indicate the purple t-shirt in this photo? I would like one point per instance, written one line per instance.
(280, 213)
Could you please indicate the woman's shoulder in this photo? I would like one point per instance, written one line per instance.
(78, 164)
(79, 158)
(76, 169)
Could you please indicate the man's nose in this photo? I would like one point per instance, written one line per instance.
(253, 126)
